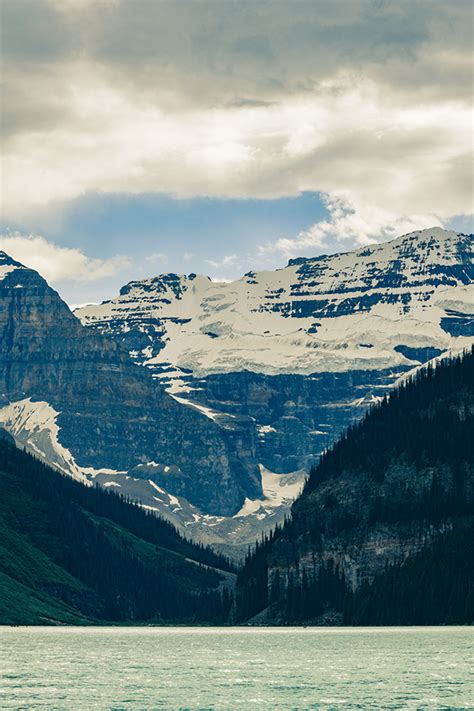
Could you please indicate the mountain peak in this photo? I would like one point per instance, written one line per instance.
(426, 236)
(290, 320)
(435, 231)
(439, 234)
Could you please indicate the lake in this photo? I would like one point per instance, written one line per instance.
(236, 668)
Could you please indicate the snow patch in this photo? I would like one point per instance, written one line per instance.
(35, 424)
(6, 269)
(207, 411)
(155, 486)
(278, 490)
(265, 429)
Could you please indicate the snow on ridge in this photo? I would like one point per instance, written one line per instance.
(34, 424)
(214, 415)
(9, 265)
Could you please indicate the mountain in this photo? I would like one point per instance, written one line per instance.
(76, 399)
(210, 402)
(78, 554)
(300, 352)
(383, 531)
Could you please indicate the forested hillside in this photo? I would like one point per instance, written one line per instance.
(71, 553)
(382, 533)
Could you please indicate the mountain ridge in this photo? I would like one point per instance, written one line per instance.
(77, 398)
(305, 349)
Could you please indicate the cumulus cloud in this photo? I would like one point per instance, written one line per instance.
(370, 105)
(57, 263)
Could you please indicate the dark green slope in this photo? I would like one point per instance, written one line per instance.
(76, 554)
(28, 581)
(380, 534)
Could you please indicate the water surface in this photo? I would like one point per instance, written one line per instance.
(74, 668)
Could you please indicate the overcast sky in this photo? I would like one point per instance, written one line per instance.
(218, 136)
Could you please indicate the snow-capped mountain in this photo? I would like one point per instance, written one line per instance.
(74, 398)
(304, 349)
(370, 309)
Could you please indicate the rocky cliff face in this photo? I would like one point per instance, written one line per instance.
(296, 416)
(79, 401)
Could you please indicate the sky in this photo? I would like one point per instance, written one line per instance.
(222, 136)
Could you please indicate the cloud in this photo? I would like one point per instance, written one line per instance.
(370, 106)
(156, 257)
(210, 53)
(57, 264)
(349, 226)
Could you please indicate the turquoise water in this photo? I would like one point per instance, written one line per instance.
(236, 668)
